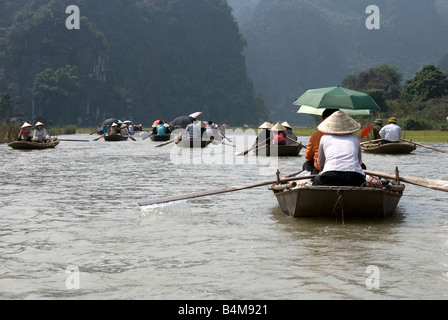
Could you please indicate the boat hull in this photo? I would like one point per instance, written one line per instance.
(389, 148)
(279, 151)
(193, 143)
(28, 145)
(164, 137)
(327, 201)
(115, 137)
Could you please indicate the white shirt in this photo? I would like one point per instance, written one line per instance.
(40, 134)
(194, 131)
(391, 132)
(340, 153)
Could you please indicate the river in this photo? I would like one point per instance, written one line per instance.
(72, 228)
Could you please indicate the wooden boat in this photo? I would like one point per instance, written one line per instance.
(330, 201)
(115, 137)
(27, 145)
(193, 143)
(389, 148)
(163, 137)
(291, 150)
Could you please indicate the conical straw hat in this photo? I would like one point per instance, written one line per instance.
(286, 125)
(26, 124)
(265, 125)
(339, 123)
(278, 127)
(39, 124)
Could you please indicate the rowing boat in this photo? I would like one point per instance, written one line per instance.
(193, 143)
(115, 137)
(291, 150)
(389, 148)
(27, 145)
(163, 137)
(306, 200)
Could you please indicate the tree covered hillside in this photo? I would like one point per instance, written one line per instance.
(137, 59)
(296, 45)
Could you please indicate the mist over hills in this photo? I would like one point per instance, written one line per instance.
(296, 45)
(133, 59)
(158, 59)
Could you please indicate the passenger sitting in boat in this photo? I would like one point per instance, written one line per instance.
(312, 150)
(167, 128)
(376, 129)
(391, 132)
(289, 134)
(264, 136)
(40, 133)
(340, 152)
(114, 130)
(278, 134)
(161, 129)
(193, 131)
(25, 132)
(210, 131)
(124, 130)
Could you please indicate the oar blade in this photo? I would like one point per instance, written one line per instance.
(441, 185)
(218, 191)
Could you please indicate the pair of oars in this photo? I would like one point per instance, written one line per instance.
(440, 185)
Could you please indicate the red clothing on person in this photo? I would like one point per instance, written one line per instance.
(278, 138)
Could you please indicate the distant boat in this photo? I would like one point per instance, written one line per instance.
(163, 137)
(115, 137)
(291, 150)
(389, 148)
(33, 144)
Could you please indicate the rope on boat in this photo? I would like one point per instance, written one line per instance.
(341, 204)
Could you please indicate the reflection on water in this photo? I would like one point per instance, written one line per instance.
(77, 206)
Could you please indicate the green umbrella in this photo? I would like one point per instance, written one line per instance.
(319, 111)
(337, 98)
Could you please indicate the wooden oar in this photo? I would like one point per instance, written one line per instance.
(298, 143)
(74, 140)
(223, 135)
(422, 145)
(422, 182)
(102, 136)
(253, 147)
(218, 191)
(168, 142)
(372, 141)
(294, 174)
(132, 138)
(146, 137)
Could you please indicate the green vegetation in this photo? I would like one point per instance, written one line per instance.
(136, 59)
(420, 104)
(9, 131)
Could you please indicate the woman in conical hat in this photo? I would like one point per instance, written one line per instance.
(340, 152)
(264, 134)
(289, 134)
(39, 132)
(278, 134)
(25, 132)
